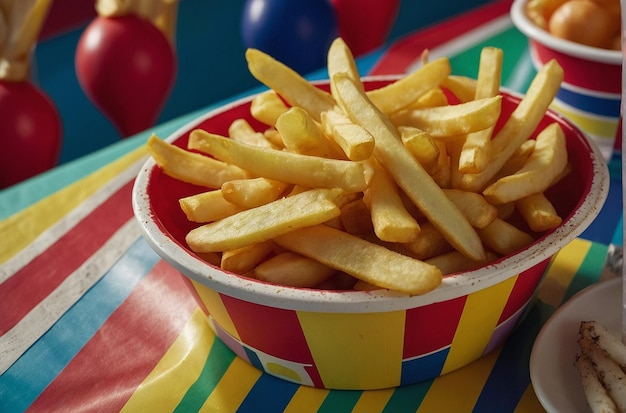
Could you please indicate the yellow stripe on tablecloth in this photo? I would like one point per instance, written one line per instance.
(180, 367)
(482, 308)
(529, 402)
(373, 401)
(306, 399)
(23, 227)
(562, 270)
(232, 388)
(469, 380)
(339, 353)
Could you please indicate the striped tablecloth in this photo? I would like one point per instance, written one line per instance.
(91, 319)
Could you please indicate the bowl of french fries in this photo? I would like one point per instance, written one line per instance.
(369, 233)
(584, 36)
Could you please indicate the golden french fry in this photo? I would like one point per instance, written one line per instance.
(476, 150)
(191, 167)
(266, 221)
(520, 125)
(302, 135)
(463, 87)
(392, 222)
(429, 242)
(504, 238)
(274, 137)
(253, 192)
(241, 131)
(245, 259)
(208, 206)
(292, 87)
(546, 162)
(442, 174)
(406, 171)
(453, 120)
(355, 218)
(341, 60)
(421, 145)
(366, 261)
(293, 269)
(267, 106)
(403, 92)
(453, 261)
(356, 142)
(432, 98)
(306, 170)
(538, 212)
(473, 206)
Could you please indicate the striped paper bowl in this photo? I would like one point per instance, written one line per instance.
(590, 95)
(355, 339)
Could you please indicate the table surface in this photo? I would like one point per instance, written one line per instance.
(92, 319)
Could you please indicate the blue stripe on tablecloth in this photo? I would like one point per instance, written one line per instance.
(27, 378)
(269, 394)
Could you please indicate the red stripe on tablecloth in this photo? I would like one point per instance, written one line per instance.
(36, 280)
(402, 53)
(125, 349)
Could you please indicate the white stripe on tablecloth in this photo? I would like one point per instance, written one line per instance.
(43, 316)
(69, 221)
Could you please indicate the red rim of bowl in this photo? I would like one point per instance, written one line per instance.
(526, 26)
(304, 299)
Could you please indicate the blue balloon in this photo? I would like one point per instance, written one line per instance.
(296, 32)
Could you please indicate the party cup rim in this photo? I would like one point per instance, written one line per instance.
(526, 26)
(313, 300)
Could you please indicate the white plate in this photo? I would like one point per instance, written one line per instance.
(552, 372)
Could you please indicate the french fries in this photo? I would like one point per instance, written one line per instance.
(601, 363)
(389, 188)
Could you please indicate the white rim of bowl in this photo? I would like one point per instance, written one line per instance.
(312, 300)
(526, 26)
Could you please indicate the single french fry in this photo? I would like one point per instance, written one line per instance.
(504, 238)
(362, 259)
(520, 125)
(434, 97)
(267, 106)
(473, 206)
(306, 170)
(392, 222)
(546, 162)
(453, 120)
(442, 174)
(241, 131)
(302, 135)
(265, 222)
(290, 85)
(253, 192)
(357, 143)
(355, 218)
(403, 92)
(421, 145)
(476, 150)
(463, 87)
(273, 136)
(191, 167)
(406, 171)
(340, 60)
(538, 212)
(208, 206)
(453, 261)
(245, 259)
(294, 270)
(429, 242)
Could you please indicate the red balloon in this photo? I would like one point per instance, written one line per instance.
(365, 24)
(127, 68)
(30, 132)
